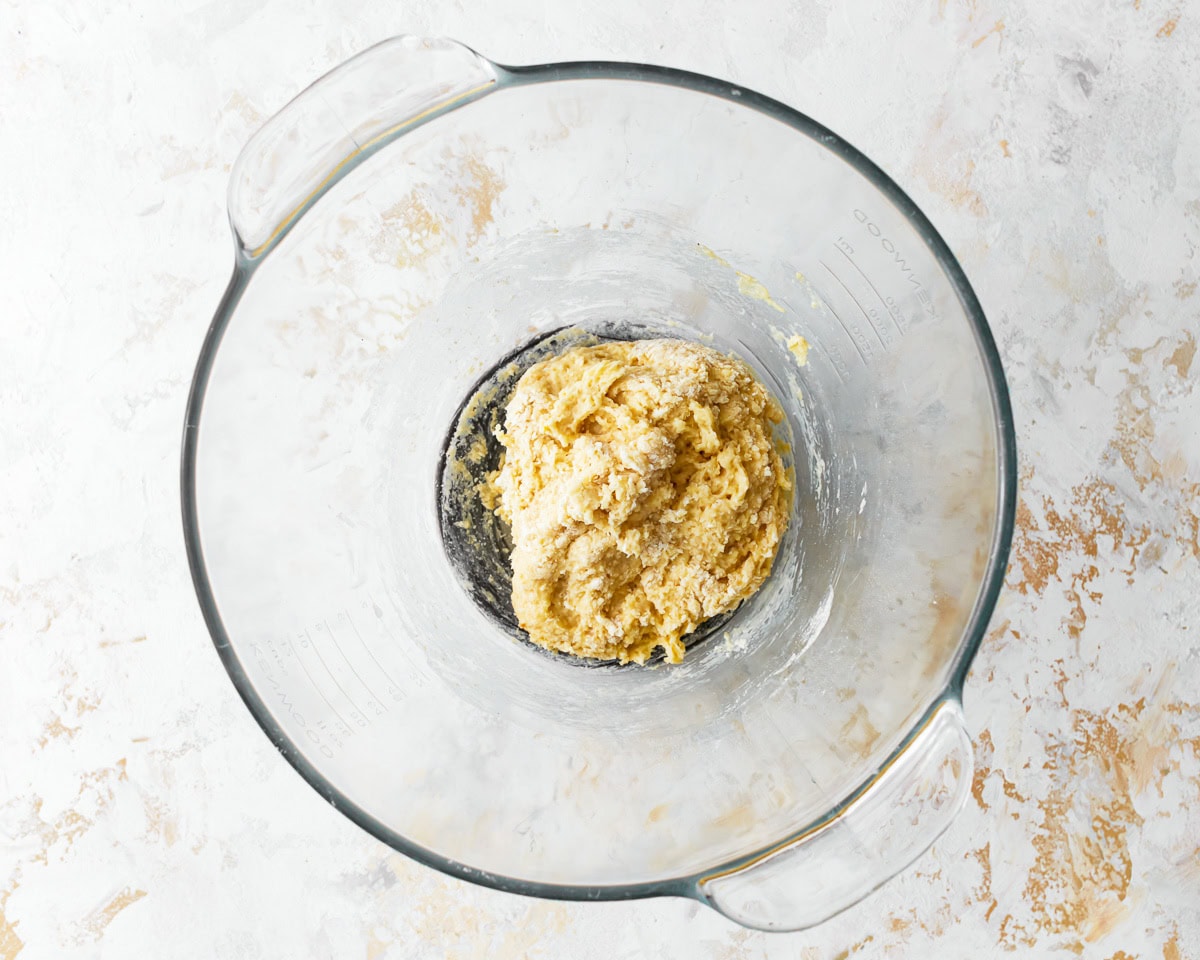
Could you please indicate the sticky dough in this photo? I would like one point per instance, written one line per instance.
(645, 494)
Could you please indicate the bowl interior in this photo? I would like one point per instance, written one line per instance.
(591, 202)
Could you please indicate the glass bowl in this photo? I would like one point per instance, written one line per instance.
(420, 214)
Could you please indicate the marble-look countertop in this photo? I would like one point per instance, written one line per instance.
(1057, 148)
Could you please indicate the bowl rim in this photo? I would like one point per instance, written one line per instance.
(688, 885)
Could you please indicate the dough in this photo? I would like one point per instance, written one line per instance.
(645, 493)
(799, 347)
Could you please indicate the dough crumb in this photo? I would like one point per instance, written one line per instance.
(645, 493)
(799, 348)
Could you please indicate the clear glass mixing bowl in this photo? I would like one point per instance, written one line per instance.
(417, 215)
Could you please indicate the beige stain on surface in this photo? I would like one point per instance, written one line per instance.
(1065, 545)
(96, 794)
(985, 752)
(1083, 887)
(858, 734)
(10, 943)
(56, 730)
(741, 817)
(250, 115)
(1182, 356)
(1035, 559)
(479, 188)
(1082, 883)
(159, 821)
(119, 643)
(419, 232)
(854, 948)
(465, 932)
(944, 164)
(1135, 431)
(176, 159)
(72, 705)
(66, 828)
(376, 947)
(97, 922)
(739, 946)
(997, 30)
(983, 893)
(944, 630)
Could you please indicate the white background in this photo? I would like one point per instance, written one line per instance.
(1057, 148)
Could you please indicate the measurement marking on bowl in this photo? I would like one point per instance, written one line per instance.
(394, 690)
(376, 703)
(416, 678)
(326, 740)
(849, 334)
(840, 247)
(357, 714)
(320, 693)
(860, 342)
(883, 342)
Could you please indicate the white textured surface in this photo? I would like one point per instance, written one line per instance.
(1056, 146)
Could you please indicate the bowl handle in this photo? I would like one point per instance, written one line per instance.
(882, 830)
(338, 122)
